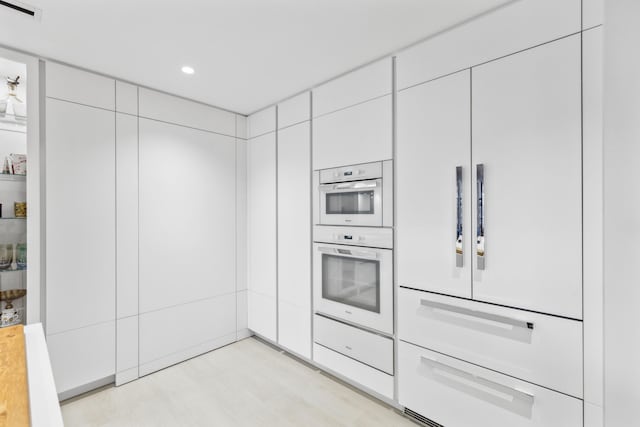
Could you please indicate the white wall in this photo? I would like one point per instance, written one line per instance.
(621, 212)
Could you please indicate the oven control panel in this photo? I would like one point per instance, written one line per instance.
(375, 237)
(351, 173)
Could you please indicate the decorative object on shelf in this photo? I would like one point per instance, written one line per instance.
(11, 101)
(20, 209)
(6, 256)
(15, 164)
(10, 316)
(21, 256)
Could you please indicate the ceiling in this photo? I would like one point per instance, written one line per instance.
(247, 54)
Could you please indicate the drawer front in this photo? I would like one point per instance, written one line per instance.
(354, 371)
(458, 394)
(366, 347)
(541, 349)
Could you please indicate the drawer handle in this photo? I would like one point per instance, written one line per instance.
(482, 384)
(477, 314)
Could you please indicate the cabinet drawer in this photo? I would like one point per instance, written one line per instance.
(458, 394)
(542, 349)
(369, 348)
(354, 371)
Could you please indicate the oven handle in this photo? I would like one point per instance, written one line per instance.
(349, 253)
(349, 185)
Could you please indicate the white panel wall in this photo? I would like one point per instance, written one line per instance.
(80, 227)
(592, 13)
(127, 243)
(72, 84)
(294, 238)
(261, 122)
(171, 109)
(187, 233)
(295, 110)
(261, 228)
(241, 233)
(358, 134)
(126, 98)
(517, 26)
(621, 212)
(592, 217)
(367, 83)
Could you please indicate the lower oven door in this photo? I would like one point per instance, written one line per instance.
(351, 203)
(355, 284)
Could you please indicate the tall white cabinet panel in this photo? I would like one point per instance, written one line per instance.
(126, 98)
(434, 186)
(527, 134)
(261, 229)
(82, 357)
(187, 199)
(294, 238)
(127, 214)
(359, 134)
(80, 200)
(592, 78)
(369, 82)
(592, 13)
(160, 106)
(127, 243)
(519, 25)
(261, 122)
(72, 84)
(295, 110)
(177, 333)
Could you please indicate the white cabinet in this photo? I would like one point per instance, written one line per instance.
(82, 357)
(261, 123)
(81, 87)
(527, 135)
(187, 236)
(261, 229)
(592, 78)
(433, 148)
(458, 394)
(359, 134)
(361, 85)
(187, 215)
(295, 110)
(294, 238)
(515, 26)
(127, 215)
(80, 220)
(519, 343)
(160, 106)
(126, 98)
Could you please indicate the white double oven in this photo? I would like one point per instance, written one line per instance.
(353, 246)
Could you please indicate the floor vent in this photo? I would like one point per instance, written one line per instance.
(420, 418)
(21, 8)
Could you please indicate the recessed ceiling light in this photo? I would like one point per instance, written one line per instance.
(188, 70)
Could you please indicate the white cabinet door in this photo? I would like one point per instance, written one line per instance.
(359, 134)
(527, 135)
(434, 121)
(81, 216)
(261, 229)
(294, 238)
(187, 215)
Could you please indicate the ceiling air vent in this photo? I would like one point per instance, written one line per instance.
(421, 418)
(22, 8)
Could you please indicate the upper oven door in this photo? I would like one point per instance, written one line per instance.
(351, 203)
(355, 284)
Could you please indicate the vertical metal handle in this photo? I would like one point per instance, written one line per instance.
(480, 252)
(459, 252)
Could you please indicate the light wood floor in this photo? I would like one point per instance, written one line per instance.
(244, 384)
